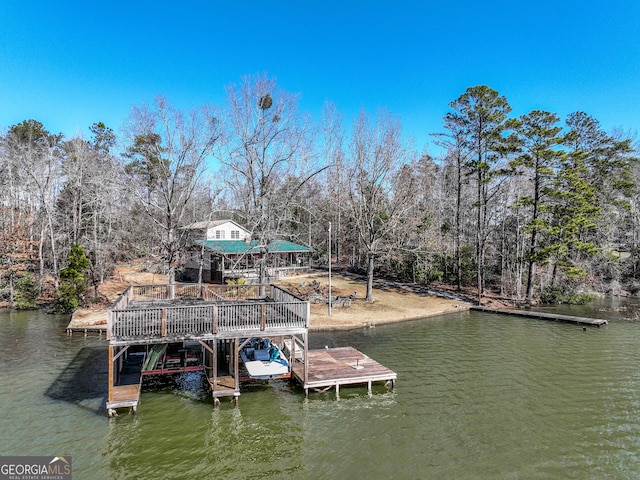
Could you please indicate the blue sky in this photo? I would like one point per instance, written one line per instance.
(70, 64)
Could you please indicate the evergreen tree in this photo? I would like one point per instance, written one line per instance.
(27, 292)
(480, 114)
(590, 188)
(537, 137)
(73, 282)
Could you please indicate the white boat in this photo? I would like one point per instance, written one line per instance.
(264, 360)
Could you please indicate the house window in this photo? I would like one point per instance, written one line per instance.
(219, 234)
(235, 234)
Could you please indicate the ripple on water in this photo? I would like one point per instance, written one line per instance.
(478, 396)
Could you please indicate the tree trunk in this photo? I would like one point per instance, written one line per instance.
(370, 267)
(458, 226)
(532, 244)
(479, 239)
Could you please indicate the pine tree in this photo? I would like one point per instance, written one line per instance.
(537, 137)
(73, 282)
(481, 113)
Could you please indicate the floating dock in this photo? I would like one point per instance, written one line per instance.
(333, 367)
(597, 322)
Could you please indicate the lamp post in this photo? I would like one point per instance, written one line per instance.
(329, 302)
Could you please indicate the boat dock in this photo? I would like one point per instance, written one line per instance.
(597, 322)
(166, 329)
(333, 367)
(126, 394)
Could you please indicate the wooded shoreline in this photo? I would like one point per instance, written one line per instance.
(536, 207)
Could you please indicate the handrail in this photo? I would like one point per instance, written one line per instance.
(228, 308)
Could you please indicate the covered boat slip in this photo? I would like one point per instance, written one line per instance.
(124, 389)
(215, 317)
(263, 359)
(132, 363)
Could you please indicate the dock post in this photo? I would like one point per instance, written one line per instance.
(236, 364)
(110, 374)
(214, 362)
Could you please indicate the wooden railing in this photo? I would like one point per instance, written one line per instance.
(227, 309)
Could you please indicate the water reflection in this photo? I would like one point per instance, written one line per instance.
(258, 439)
(613, 309)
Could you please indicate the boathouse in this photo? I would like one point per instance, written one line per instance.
(165, 329)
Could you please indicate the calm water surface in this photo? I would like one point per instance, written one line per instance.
(478, 397)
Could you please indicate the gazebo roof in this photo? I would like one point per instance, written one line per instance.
(237, 247)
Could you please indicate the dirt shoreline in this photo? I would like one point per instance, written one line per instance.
(393, 302)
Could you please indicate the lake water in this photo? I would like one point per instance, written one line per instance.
(478, 396)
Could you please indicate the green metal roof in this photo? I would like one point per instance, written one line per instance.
(240, 246)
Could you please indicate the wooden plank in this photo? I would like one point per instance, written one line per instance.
(544, 316)
(115, 357)
(126, 392)
(236, 362)
(124, 396)
(226, 382)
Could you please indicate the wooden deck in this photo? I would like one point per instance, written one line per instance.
(598, 322)
(333, 367)
(159, 314)
(124, 396)
(225, 386)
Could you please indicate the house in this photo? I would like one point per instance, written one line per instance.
(217, 230)
(224, 250)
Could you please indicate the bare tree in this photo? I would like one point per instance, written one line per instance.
(456, 160)
(91, 204)
(333, 151)
(36, 155)
(268, 155)
(167, 153)
(376, 155)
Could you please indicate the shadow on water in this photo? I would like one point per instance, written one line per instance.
(84, 382)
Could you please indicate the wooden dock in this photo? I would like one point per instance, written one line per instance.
(597, 322)
(333, 367)
(153, 320)
(124, 396)
(86, 330)
(224, 386)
